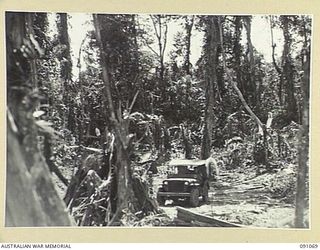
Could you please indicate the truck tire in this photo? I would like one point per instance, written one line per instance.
(160, 199)
(205, 195)
(194, 197)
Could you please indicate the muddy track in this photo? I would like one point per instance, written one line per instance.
(242, 199)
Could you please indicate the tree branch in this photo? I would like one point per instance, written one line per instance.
(146, 43)
(155, 26)
(133, 102)
(165, 40)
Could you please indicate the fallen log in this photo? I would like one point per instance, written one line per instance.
(199, 219)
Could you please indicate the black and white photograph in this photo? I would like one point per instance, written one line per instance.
(157, 120)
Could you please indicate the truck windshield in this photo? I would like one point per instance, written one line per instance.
(185, 170)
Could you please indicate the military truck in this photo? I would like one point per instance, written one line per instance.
(188, 180)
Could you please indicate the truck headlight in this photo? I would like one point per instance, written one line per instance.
(165, 186)
(186, 183)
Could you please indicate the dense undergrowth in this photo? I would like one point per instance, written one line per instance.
(235, 157)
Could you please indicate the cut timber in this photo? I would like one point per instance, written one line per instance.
(188, 216)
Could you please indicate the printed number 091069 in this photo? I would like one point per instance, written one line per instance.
(309, 246)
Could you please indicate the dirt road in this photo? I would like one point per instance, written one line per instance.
(242, 199)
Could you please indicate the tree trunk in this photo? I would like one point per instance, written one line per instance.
(212, 43)
(66, 63)
(126, 199)
(287, 72)
(188, 27)
(122, 164)
(273, 45)
(66, 69)
(252, 83)
(186, 142)
(260, 125)
(31, 197)
(237, 52)
(160, 28)
(303, 147)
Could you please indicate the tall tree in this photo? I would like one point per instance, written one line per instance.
(237, 50)
(303, 147)
(212, 40)
(118, 34)
(128, 196)
(66, 70)
(287, 76)
(65, 59)
(160, 26)
(252, 84)
(273, 45)
(261, 126)
(157, 43)
(189, 21)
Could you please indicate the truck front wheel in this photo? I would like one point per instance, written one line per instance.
(160, 199)
(205, 195)
(194, 197)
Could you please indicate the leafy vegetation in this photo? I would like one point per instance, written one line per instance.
(133, 101)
